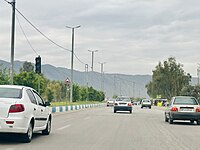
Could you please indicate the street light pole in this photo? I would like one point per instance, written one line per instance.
(72, 62)
(86, 72)
(102, 81)
(12, 42)
(92, 68)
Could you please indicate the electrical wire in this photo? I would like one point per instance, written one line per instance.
(48, 37)
(42, 35)
(26, 37)
(7, 1)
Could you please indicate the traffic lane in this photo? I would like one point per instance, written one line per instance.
(100, 128)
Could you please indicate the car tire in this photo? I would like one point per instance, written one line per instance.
(130, 111)
(198, 122)
(150, 107)
(28, 135)
(115, 111)
(191, 121)
(170, 120)
(166, 119)
(142, 107)
(48, 128)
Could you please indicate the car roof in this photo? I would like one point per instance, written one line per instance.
(183, 97)
(123, 96)
(15, 86)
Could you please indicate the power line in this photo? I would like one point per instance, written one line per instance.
(26, 37)
(7, 1)
(48, 37)
(43, 35)
(41, 32)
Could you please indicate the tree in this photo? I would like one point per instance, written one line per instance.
(30, 79)
(27, 67)
(4, 77)
(168, 79)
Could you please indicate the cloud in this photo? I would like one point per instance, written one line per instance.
(131, 35)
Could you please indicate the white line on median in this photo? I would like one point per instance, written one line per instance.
(64, 127)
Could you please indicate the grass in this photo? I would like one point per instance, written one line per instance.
(74, 103)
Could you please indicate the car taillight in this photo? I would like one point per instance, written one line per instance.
(16, 108)
(174, 109)
(10, 122)
(198, 109)
(129, 104)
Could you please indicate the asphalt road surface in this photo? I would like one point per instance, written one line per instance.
(101, 129)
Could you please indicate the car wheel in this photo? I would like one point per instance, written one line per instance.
(166, 119)
(198, 122)
(192, 121)
(170, 120)
(130, 111)
(28, 135)
(48, 128)
(142, 107)
(150, 107)
(115, 111)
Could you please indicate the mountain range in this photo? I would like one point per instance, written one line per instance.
(111, 84)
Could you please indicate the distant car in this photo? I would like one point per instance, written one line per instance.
(110, 102)
(183, 108)
(123, 103)
(146, 103)
(23, 111)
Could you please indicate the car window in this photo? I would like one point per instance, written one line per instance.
(38, 98)
(185, 101)
(146, 100)
(10, 93)
(31, 96)
(123, 99)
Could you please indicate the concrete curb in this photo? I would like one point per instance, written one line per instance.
(72, 108)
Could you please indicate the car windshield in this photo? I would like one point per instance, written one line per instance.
(10, 93)
(146, 100)
(123, 99)
(185, 101)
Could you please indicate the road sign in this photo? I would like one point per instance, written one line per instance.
(67, 81)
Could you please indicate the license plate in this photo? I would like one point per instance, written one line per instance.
(185, 109)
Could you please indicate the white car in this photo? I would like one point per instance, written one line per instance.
(123, 103)
(23, 111)
(183, 108)
(110, 102)
(146, 103)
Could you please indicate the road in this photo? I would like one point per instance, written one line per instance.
(101, 129)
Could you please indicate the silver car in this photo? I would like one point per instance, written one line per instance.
(183, 108)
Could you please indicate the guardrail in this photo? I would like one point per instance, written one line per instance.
(72, 108)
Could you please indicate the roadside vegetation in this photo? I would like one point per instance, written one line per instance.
(169, 79)
(52, 91)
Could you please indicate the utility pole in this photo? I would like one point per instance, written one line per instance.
(92, 68)
(133, 89)
(12, 42)
(198, 73)
(102, 76)
(86, 71)
(114, 88)
(72, 62)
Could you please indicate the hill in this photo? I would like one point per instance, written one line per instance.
(119, 84)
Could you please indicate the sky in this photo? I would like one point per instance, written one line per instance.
(131, 36)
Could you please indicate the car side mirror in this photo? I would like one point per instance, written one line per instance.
(47, 104)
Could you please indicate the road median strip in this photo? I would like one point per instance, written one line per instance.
(55, 109)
